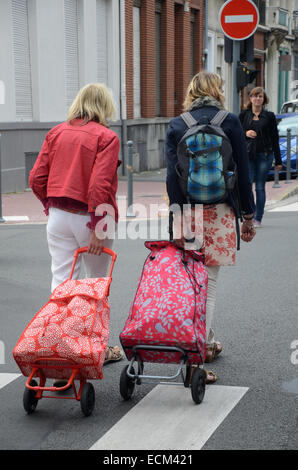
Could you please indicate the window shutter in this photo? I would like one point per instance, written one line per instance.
(71, 25)
(101, 21)
(22, 64)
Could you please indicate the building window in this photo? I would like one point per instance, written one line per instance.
(158, 58)
(294, 84)
(220, 59)
(296, 66)
(22, 64)
(295, 18)
(136, 62)
(71, 50)
(101, 41)
(210, 59)
(283, 18)
(261, 5)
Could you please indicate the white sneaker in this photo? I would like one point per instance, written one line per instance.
(257, 224)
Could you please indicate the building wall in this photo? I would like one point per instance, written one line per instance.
(215, 60)
(52, 49)
(168, 59)
(271, 40)
(47, 60)
(7, 106)
(179, 21)
(175, 53)
(68, 43)
(280, 41)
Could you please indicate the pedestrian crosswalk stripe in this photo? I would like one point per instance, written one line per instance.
(16, 218)
(168, 419)
(5, 379)
(287, 208)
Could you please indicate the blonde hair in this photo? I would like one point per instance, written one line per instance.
(204, 84)
(94, 102)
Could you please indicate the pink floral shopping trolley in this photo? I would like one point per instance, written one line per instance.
(167, 319)
(67, 339)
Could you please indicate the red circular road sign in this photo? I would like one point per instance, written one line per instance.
(239, 19)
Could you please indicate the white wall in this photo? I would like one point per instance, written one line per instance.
(215, 52)
(47, 55)
(113, 50)
(271, 76)
(46, 25)
(7, 108)
(87, 41)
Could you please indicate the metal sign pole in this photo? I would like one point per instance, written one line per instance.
(130, 212)
(236, 59)
(238, 21)
(1, 218)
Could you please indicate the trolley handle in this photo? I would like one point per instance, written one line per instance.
(84, 249)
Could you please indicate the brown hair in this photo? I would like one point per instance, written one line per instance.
(256, 91)
(204, 84)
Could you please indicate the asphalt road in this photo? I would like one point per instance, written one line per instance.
(255, 319)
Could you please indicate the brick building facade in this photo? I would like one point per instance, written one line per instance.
(181, 50)
(164, 49)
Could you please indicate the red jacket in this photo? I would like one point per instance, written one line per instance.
(78, 162)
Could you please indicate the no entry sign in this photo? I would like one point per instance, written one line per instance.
(239, 19)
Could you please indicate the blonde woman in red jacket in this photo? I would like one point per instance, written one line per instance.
(75, 173)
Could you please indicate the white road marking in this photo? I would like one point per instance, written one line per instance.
(287, 208)
(239, 19)
(5, 379)
(167, 418)
(16, 218)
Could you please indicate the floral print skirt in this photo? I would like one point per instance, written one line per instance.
(214, 230)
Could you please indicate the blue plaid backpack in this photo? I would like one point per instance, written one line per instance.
(206, 169)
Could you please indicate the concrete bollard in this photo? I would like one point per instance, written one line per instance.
(288, 180)
(276, 179)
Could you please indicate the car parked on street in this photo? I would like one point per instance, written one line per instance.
(285, 122)
(289, 107)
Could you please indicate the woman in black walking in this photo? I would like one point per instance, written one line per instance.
(262, 139)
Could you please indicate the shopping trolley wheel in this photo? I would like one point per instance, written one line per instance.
(87, 399)
(29, 398)
(127, 385)
(198, 384)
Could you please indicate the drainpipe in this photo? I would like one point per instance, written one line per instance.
(123, 116)
(205, 52)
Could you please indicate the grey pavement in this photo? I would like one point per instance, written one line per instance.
(255, 318)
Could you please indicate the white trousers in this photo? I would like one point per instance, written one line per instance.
(66, 232)
(210, 306)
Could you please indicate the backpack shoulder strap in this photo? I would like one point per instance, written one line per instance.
(219, 118)
(188, 119)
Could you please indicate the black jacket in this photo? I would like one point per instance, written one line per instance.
(268, 131)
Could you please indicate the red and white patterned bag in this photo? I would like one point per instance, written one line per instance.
(169, 308)
(72, 326)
